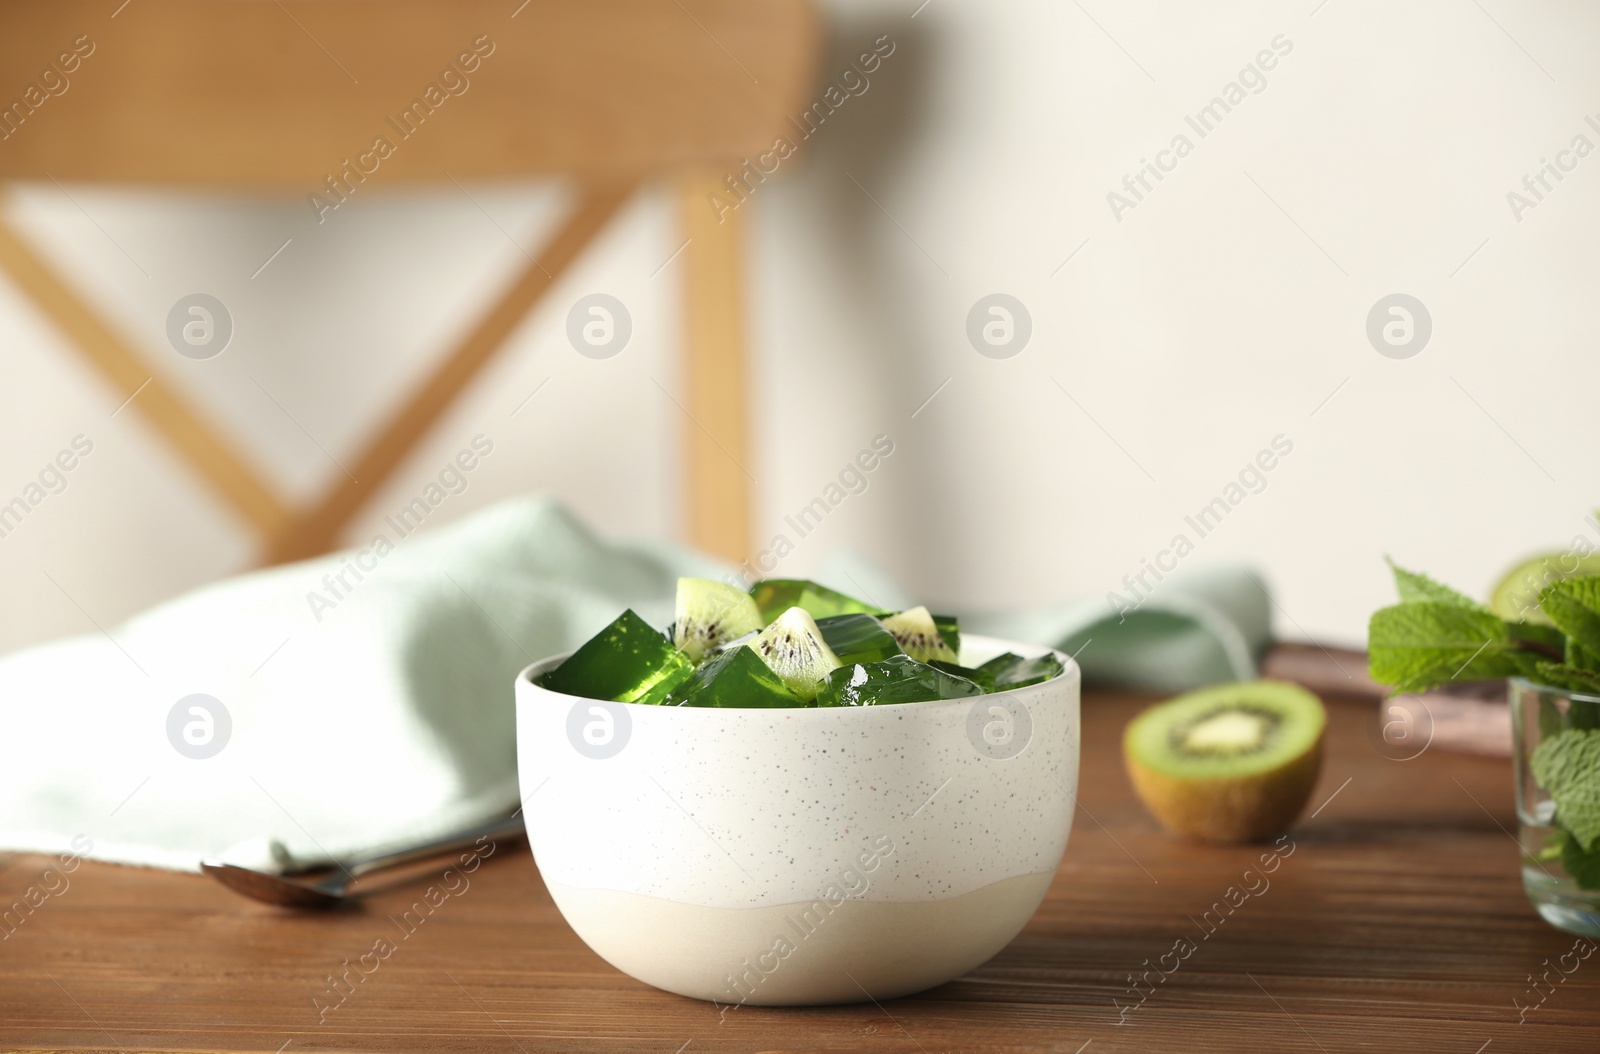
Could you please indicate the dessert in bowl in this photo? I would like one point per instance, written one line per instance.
(844, 847)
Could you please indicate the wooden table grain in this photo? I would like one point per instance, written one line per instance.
(1398, 923)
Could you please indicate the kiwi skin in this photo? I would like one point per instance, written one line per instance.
(1227, 811)
(1230, 808)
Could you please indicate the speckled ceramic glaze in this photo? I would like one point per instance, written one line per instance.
(800, 856)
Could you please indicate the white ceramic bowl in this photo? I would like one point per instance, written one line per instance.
(800, 856)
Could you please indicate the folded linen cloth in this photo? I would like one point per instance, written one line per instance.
(312, 711)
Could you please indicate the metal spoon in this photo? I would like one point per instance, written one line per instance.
(300, 893)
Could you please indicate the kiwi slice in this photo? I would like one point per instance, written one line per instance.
(794, 650)
(1231, 763)
(918, 636)
(709, 614)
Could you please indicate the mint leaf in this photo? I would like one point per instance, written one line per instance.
(1567, 767)
(1582, 865)
(1423, 644)
(1414, 586)
(1568, 678)
(1574, 606)
(1577, 655)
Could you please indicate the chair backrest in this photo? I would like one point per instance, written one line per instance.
(283, 96)
(326, 98)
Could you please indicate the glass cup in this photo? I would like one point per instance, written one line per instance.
(1550, 853)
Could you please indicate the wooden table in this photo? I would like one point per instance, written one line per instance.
(1398, 923)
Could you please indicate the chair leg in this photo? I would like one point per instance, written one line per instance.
(205, 448)
(720, 488)
(317, 530)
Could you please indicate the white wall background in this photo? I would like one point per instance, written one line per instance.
(1228, 307)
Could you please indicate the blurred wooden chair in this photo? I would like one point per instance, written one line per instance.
(271, 96)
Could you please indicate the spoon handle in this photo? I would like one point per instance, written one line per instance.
(377, 860)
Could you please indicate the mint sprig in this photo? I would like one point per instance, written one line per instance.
(1425, 643)
(1583, 865)
(1567, 678)
(1415, 587)
(1437, 635)
(1581, 657)
(1574, 606)
(1567, 766)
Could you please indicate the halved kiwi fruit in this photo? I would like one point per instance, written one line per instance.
(710, 613)
(794, 649)
(1230, 763)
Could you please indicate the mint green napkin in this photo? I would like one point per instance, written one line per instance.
(364, 698)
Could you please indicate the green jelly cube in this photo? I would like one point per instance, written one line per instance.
(774, 596)
(628, 662)
(857, 638)
(982, 678)
(1004, 672)
(899, 679)
(737, 678)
